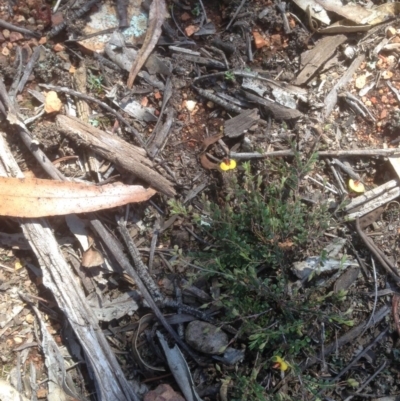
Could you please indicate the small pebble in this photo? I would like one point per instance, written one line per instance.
(206, 338)
(15, 36)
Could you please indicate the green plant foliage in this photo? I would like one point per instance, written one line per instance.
(262, 227)
(95, 83)
(230, 76)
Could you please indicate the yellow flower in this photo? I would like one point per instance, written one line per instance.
(279, 363)
(356, 186)
(227, 164)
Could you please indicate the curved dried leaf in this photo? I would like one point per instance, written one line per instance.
(21, 197)
(156, 19)
(207, 164)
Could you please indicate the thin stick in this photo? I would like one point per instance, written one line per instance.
(351, 335)
(204, 14)
(137, 260)
(28, 69)
(357, 358)
(349, 171)
(338, 179)
(236, 14)
(153, 244)
(328, 153)
(386, 264)
(365, 384)
(375, 295)
(15, 28)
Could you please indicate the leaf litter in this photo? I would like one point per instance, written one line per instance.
(222, 102)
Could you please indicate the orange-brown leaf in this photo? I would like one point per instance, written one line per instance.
(23, 197)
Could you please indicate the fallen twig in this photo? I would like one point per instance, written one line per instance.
(373, 193)
(331, 98)
(357, 358)
(374, 204)
(323, 153)
(383, 260)
(236, 14)
(28, 69)
(141, 268)
(350, 335)
(15, 28)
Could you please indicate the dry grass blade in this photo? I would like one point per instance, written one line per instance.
(156, 19)
(39, 198)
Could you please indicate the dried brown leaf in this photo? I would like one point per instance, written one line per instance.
(21, 197)
(92, 257)
(207, 164)
(156, 19)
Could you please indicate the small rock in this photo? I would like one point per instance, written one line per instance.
(52, 102)
(3, 61)
(15, 36)
(2, 38)
(206, 338)
(387, 74)
(19, 18)
(361, 81)
(26, 53)
(58, 47)
(18, 340)
(276, 40)
(31, 21)
(41, 393)
(6, 33)
(185, 16)
(190, 104)
(5, 51)
(191, 29)
(43, 40)
(164, 392)
(259, 41)
(57, 19)
(390, 31)
(29, 318)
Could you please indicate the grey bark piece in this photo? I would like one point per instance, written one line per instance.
(314, 264)
(110, 381)
(179, 369)
(111, 147)
(331, 99)
(60, 382)
(57, 276)
(312, 60)
(158, 142)
(278, 111)
(345, 281)
(236, 126)
(116, 308)
(14, 240)
(200, 60)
